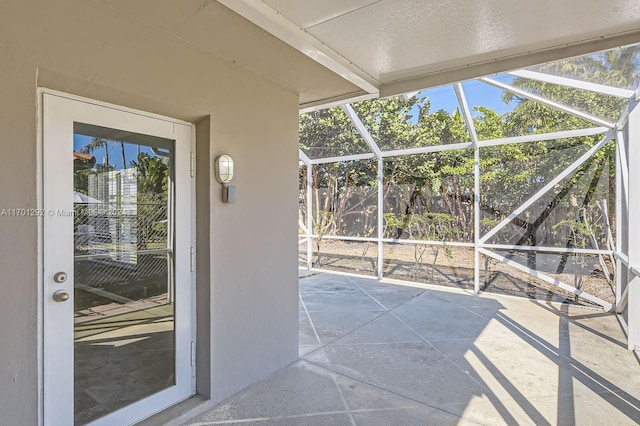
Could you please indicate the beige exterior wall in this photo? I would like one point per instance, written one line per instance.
(90, 49)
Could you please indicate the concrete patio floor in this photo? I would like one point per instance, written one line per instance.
(383, 354)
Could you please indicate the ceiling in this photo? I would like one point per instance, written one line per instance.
(213, 29)
(388, 47)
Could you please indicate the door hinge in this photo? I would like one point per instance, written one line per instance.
(192, 261)
(193, 354)
(193, 164)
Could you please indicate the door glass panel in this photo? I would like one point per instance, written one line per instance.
(124, 335)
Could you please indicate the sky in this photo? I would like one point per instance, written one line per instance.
(476, 92)
(115, 153)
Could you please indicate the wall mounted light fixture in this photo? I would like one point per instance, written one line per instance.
(224, 174)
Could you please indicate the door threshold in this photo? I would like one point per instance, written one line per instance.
(179, 413)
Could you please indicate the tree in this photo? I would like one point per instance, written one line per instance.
(97, 143)
(417, 188)
(152, 175)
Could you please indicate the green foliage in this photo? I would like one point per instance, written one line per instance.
(617, 68)
(425, 226)
(152, 174)
(322, 223)
(488, 124)
(579, 231)
(81, 180)
(329, 133)
(430, 196)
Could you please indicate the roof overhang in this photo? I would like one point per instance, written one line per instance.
(389, 47)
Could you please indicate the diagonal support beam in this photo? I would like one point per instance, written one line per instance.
(622, 257)
(576, 84)
(410, 95)
(547, 187)
(586, 296)
(549, 103)
(362, 130)
(471, 129)
(624, 165)
(624, 300)
(466, 113)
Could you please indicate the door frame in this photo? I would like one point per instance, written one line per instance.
(185, 182)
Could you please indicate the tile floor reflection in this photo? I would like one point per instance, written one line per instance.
(120, 359)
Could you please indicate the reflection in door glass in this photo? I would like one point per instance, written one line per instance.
(124, 342)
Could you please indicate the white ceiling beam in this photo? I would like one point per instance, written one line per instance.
(452, 72)
(537, 137)
(427, 149)
(547, 102)
(463, 145)
(281, 27)
(340, 158)
(332, 102)
(576, 84)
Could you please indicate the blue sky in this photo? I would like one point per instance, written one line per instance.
(115, 153)
(476, 92)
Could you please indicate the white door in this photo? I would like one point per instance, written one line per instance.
(117, 262)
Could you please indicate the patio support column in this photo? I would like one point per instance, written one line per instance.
(633, 232)
(476, 219)
(466, 113)
(618, 248)
(621, 216)
(309, 213)
(348, 109)
(380, 217)
(309, 216)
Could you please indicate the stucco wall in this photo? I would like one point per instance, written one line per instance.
(90, 49)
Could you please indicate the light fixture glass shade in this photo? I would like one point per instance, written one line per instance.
(224, 168)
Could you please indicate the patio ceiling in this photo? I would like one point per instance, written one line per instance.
(208, 28)
(388, 47)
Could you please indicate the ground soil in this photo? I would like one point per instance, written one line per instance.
(453, 267)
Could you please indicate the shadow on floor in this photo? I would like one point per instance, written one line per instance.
(380, 354)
